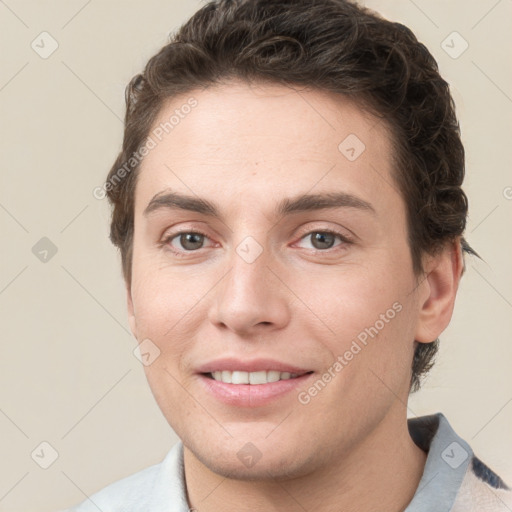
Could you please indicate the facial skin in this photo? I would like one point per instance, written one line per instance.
(247, 148)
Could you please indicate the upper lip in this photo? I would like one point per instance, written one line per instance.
(254, 365)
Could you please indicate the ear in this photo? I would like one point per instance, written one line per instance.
(443, 273)
(131, 311)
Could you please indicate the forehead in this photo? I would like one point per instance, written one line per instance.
(260, 140)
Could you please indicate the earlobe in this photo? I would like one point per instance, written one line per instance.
(442, 280)
(131, 311)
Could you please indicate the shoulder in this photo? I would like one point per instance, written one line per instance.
(482, 489)
(455, 479)
(146, 490)
(122, 494)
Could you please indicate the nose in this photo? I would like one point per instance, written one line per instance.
(252, 297)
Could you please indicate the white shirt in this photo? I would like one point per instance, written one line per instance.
(454, 479)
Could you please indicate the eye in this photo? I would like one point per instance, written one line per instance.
(322, 240)
(189, 241)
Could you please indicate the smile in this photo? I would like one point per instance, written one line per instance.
(239, 388)
(243, 377)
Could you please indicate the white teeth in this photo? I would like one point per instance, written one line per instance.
(273, 376)
(260, 377)
(239, 378)
(225, 377)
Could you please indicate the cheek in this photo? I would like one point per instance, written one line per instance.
(161, 296)
(365, 316)
(169, 310)
(346, 301)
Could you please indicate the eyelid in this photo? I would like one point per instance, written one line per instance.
(344, 242)
(344, 233)
(181, 228)
(166, 238)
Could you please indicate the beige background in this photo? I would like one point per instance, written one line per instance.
(67, 372)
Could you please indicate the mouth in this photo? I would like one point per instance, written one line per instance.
(252, 378)
(238, 382)
(261, 388)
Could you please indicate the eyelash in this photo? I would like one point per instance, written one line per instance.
(181, 254)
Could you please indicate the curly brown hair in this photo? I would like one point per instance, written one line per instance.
(331, 45)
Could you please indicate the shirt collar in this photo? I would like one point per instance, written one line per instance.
(447, 462)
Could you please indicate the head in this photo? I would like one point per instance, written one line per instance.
(272, 100)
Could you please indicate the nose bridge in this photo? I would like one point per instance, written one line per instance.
(250, 294)
(249, 265)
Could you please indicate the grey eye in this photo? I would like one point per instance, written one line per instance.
(191, 241)
(322, 240)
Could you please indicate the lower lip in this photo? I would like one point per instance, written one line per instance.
(252, 395)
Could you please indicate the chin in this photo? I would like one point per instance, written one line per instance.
(247, 462)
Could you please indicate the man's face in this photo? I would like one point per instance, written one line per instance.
(269, 293)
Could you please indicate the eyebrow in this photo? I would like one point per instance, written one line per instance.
(300, 203)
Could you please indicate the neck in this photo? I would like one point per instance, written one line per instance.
(382, 473)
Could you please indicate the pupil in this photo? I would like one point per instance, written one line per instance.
(320, 237)
(187, 238)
